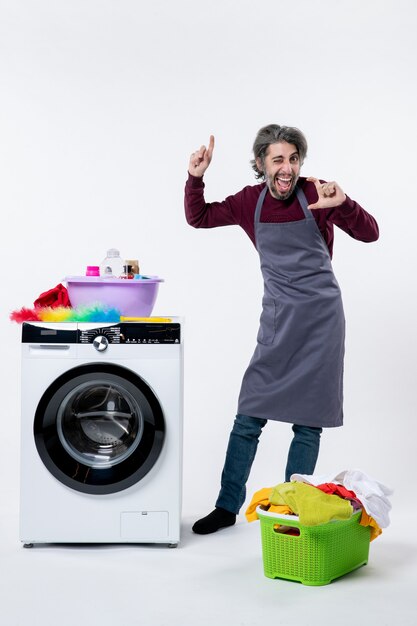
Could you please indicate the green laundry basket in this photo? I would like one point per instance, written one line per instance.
(318, 554)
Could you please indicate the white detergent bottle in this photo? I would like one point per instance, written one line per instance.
(112, 265)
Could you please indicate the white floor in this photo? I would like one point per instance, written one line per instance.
(217, 579)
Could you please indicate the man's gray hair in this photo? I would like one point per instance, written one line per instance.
(275, 134)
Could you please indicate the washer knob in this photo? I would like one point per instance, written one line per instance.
(100, 343)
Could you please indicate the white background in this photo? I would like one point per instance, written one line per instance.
(101, 104)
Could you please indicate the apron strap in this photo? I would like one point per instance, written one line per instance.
(257, 216)
(259, 204)
(304, 204)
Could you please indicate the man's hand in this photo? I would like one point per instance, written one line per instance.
(200, 160)
(330, 194)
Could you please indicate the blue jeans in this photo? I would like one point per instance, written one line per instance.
(243, 442)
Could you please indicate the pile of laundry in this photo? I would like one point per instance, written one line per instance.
(319, 499)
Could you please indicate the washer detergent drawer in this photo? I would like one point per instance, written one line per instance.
(143, 525)
(49, 351)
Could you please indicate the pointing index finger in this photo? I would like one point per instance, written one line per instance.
(211, 145)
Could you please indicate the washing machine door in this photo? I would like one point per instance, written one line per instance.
(99, 428)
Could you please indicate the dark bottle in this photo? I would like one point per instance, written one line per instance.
(127, 272)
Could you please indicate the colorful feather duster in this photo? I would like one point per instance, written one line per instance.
(92, 313)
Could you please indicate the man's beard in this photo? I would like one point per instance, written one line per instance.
(275, 193)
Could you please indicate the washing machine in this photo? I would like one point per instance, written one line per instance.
(101, 432)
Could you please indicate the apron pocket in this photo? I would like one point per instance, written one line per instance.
(266, 333)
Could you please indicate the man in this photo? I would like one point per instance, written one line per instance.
(296, 372)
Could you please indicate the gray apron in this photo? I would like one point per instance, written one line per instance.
(296, 372)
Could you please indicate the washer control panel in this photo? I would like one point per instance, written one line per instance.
(129, 333)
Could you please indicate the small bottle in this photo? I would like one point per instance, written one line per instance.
(135, 265)
(92, 270)
(112, 265)
(127, 272)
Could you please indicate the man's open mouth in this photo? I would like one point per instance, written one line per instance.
(283, 183)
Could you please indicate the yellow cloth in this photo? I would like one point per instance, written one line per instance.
(367, 520)
(261, 498)
(312, 505)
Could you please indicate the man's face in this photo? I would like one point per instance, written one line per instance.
(281, 167)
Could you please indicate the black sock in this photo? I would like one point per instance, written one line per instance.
(219, 518)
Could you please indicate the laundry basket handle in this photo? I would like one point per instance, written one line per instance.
(280, 519)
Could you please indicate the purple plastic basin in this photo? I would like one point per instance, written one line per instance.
(133, 298)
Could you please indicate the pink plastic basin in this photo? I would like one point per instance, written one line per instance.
(133, 298)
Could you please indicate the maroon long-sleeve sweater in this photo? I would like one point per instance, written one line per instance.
(239, 209)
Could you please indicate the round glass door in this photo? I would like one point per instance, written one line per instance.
(100, 423)
(99, 428)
